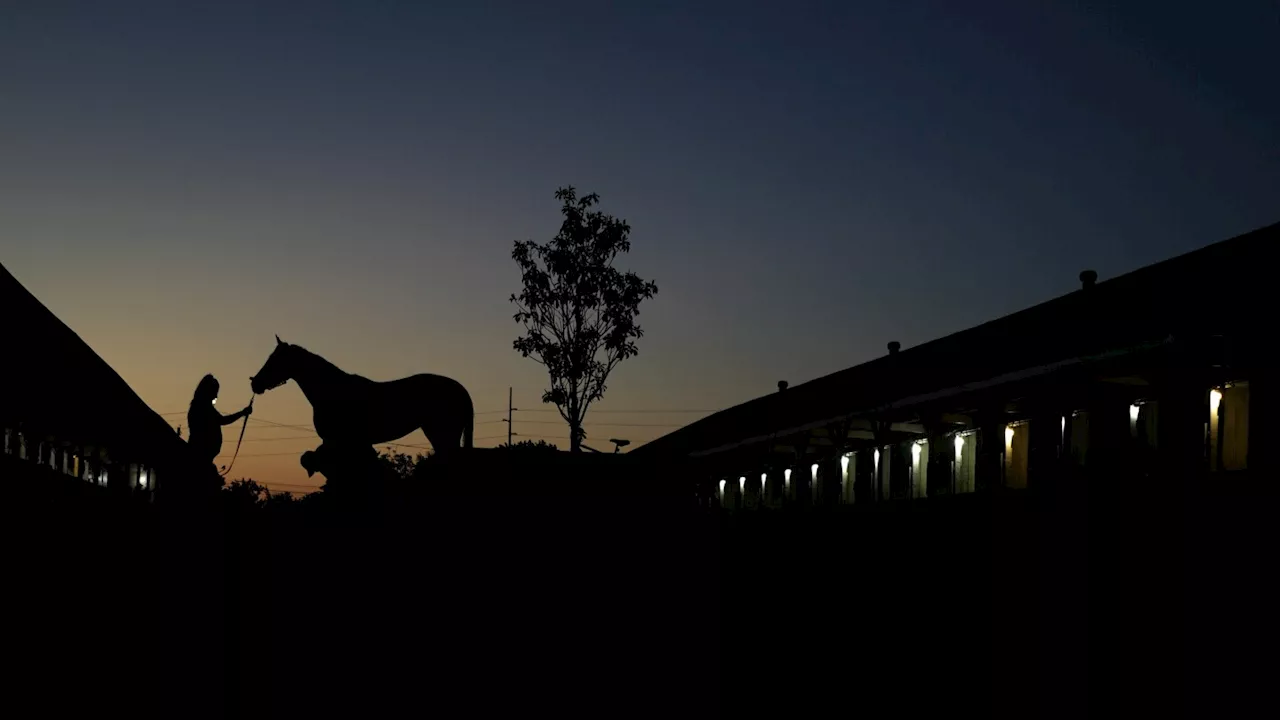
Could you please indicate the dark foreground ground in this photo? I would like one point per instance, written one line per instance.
(1028, 606)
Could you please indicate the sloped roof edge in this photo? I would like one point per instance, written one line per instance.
(774, 411)
(65, 386)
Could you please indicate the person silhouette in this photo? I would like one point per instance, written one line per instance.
(204, 422)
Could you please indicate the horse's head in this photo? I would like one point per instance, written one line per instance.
(277, 370)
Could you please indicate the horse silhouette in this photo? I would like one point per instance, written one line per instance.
(350, 411)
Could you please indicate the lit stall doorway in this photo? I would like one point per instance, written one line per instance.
(1017, 448)
(964, 469)
(1229, 427)
(919, 469)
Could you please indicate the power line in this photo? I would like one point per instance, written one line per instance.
(631, 412)
(644, 411)
(313, 436)
(631, 424)
(251, 419)
(276, 424)
(309, 489)
(624, 411)
(294, 437)
(299, 452)
(601, 424)
(184, 412)
(405, 445)
(295, 452)
(520, 435)
(542, 437)
(259, 420)
(311, 429)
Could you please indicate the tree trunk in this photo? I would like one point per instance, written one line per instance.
(575, 437)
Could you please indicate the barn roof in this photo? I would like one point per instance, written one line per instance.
(55, 383)
(1140, 309)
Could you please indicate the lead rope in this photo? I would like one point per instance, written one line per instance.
(237, 453)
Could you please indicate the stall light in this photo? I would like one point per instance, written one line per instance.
(722, 489)
(786, 478)
(764, 482)
(915, 452)
(1064, 427)
(1008, 435)
(142, 480)
(959, 446)
(1215, 399)
(844, 465)
(742, 484)
(1133, 413)
(813, 472)
(876, 459)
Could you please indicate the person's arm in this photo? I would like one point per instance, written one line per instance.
(228, 419)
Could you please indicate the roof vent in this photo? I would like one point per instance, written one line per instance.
(1088, 278)
(894, 347)
(782, 385)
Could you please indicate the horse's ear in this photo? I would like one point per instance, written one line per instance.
(279, 341)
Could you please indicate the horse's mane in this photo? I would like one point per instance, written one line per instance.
(317, 360)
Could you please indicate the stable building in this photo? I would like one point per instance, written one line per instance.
(1166, 372)
(64, 409)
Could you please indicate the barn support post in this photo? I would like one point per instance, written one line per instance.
(940, 474)
(1045, 450)
(989, 466)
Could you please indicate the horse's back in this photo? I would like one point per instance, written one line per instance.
(435, 388)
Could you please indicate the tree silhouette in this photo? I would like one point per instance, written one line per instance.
(245, 494)
(400, 465)
(527, 445)
(280, 499)
(577, 309)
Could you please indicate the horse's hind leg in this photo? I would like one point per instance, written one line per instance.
(444, 440)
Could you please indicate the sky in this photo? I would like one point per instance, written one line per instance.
(805, 181)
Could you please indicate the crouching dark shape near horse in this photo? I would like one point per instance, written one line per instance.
(333, 460)
(352, 413)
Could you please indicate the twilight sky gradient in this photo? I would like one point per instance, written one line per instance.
(805, 181)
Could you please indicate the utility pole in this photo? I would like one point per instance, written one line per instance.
(510, 410)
